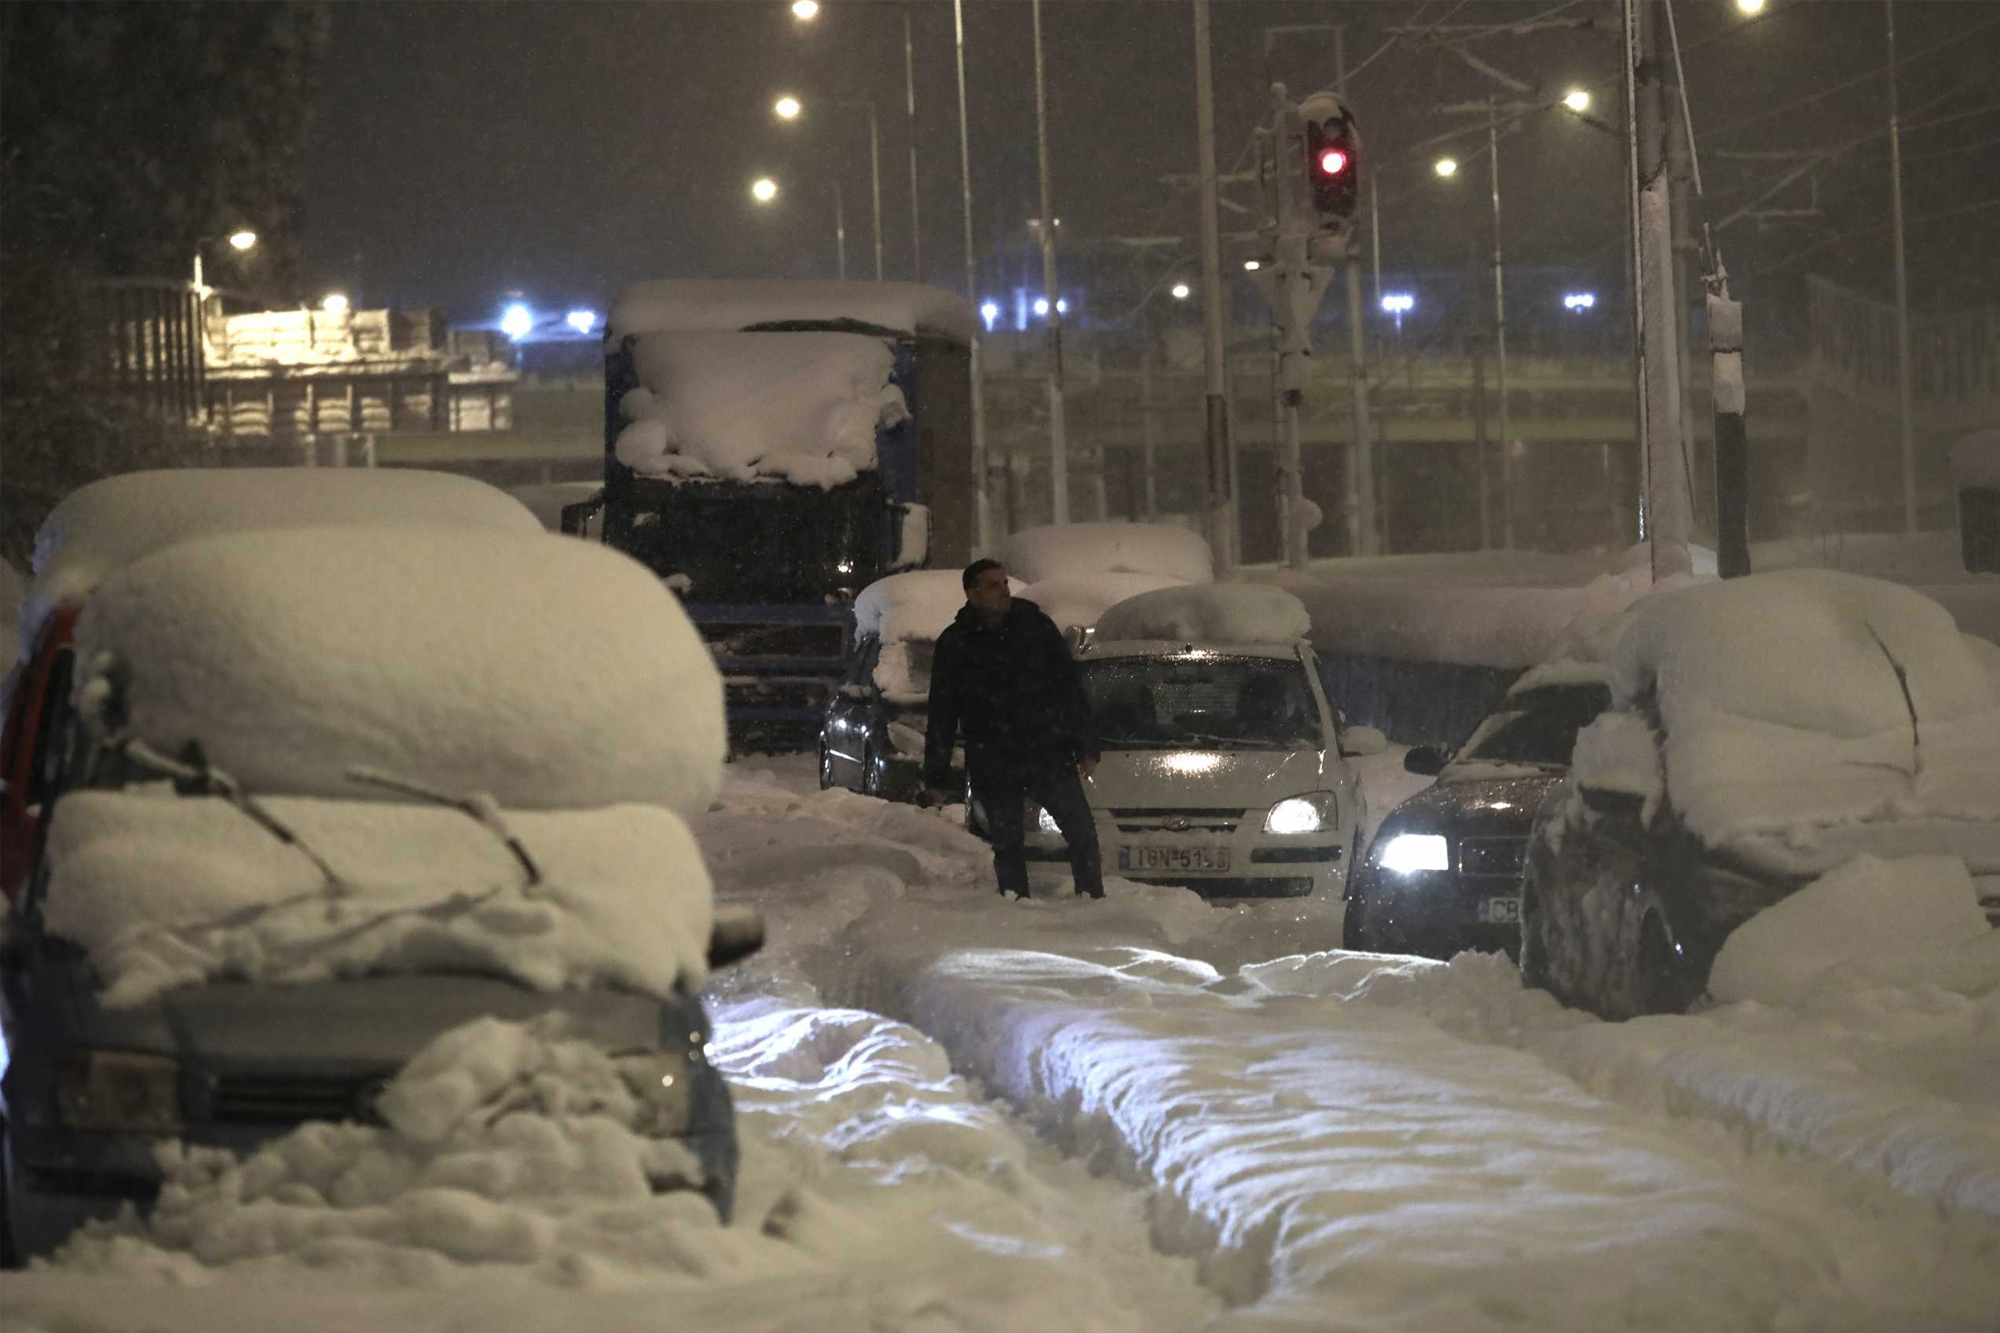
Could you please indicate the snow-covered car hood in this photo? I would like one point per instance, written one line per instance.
(1462, 804)
(1186, 778)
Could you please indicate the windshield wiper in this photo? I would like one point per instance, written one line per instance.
(195, 776)
(481, 807)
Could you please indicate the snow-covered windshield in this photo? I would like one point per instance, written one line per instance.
(1201, 699)
(1538, 728)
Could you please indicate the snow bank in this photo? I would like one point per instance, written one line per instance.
(1077, 601)
(704, 305)
(802, 407)
(1070, 550)
(543, 671)
(1786, 702)
(1212, 613)
(167, 891)
(914, 605)
(113, 522)
(1870, 919)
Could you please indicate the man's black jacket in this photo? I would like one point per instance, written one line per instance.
(1016, 691)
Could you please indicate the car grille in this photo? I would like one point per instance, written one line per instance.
(271, 1099)
(1189, 820)
(1503, 858)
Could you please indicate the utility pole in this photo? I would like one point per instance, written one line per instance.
(1665, 518)
(981, 482)
(1678, 153)
(1905, 429)
(1221, 534)
(1149, 425)
(875, 175)
(910, 109)
(1058, 444)
(1500, 332)
(839, 231)
(1361, 454)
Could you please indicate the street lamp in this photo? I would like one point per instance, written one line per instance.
(1751, 7)
(789, 108)
(517, 321)
(1445, 166)
(805, 11)
(334, 303)
(1398, 304)
(241, 240)
(1251, 265)
(763, 189)
(1181, 291)
(1577, 100)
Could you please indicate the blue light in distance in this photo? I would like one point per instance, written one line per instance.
(517, 321)
(990, 312)
(583, 321)
(1579, 301)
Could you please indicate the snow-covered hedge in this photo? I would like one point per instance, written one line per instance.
(547, 672)
(1211, 613)
(1071, 550)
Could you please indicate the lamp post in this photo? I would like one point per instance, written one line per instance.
(241, 240)
(981, 481)
(789, 108)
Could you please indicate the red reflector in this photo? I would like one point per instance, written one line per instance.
(1332, 162)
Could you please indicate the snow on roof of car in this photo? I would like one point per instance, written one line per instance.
(801, 407)
(1076, 601)
(117, 520)
(1066, 550)
(163, 891)
(1209, 613)
(1808, 698)
(719, 305)
(916, 604)
(542, 670)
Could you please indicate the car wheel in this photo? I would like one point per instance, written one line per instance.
(825, 767)
(1659, 982)
(1534, 949)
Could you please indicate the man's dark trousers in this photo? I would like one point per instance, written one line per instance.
(1002, 790)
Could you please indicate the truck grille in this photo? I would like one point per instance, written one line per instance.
(287, 1099)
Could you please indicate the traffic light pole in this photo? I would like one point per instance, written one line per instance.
(1500, 332)
(910, 111)
(1665, 513)
(1905, 428)
(1221, 530)
(1058, 443)
(982, 488)
(1361, 453)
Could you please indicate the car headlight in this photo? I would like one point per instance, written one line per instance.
(1408, 853)
(1046, 822)
(663, 1084)
(119, 1090)
(1315, 812)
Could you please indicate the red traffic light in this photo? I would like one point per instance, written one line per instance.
(1332, 161)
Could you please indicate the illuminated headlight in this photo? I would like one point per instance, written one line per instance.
(1313, 813)
(663, 1084)
(120, 1090)
(1407, 853)
(1046, 822)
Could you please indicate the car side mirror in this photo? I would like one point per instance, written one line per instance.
(1623, 805)
(1426, 761)
(738, 932)
(1358, 742)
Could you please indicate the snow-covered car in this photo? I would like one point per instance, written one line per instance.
(328, 794)
(1443, 872)
(107, 524)
(1224, 764)
(1763, 732)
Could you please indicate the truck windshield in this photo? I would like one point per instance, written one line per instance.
(765, 542)
(1201, 699)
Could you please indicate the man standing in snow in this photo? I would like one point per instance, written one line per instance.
(1003, 670)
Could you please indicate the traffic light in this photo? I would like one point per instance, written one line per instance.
(1332, 169)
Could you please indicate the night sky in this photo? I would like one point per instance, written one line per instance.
(464, 151)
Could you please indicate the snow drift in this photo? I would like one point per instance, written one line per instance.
(544, 671)
(1215, 613)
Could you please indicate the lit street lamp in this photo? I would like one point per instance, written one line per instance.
(241, 240)
(763, 189)
(789, 108)
(1577, 99)
(1445, 166)
(805, 11)
(334, 303)
(1750, 6)
(1181, 291)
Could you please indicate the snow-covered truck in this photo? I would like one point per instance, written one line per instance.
(773, 447)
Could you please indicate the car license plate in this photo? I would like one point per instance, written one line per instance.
(1142, 856)
(1500, 911)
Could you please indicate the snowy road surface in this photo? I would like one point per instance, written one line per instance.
(1150, 1113)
